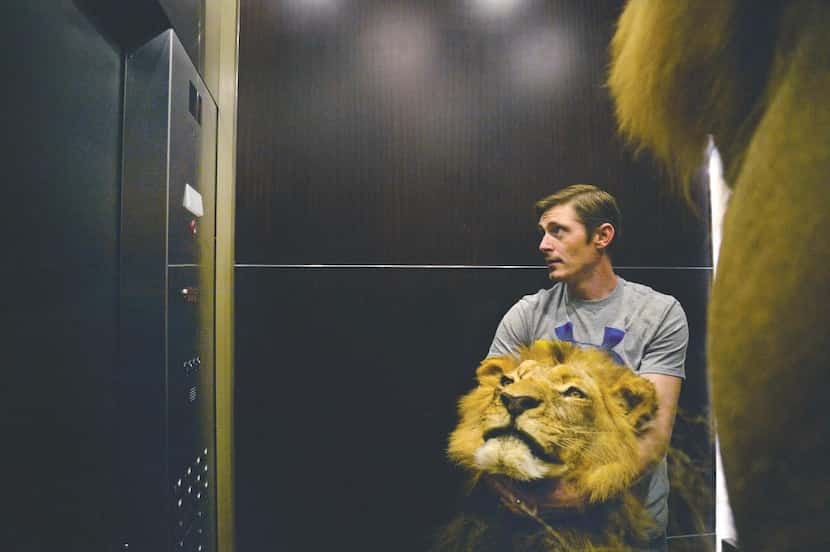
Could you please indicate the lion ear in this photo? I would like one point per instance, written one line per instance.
(638, 398)
(558, 351)
(494, 367)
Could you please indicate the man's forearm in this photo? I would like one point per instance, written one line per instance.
(653, 445)
(655, 439)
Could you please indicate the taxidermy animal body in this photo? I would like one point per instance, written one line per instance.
(756, 77)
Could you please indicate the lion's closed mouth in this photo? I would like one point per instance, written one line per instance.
(535, 448)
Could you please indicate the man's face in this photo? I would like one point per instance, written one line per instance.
(565, 246)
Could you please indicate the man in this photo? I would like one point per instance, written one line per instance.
(592, 306)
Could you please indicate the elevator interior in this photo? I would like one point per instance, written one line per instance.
(107, 409)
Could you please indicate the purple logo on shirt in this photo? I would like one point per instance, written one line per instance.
(610, 339)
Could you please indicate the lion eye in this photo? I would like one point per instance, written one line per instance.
(575, 392)
(505, 381)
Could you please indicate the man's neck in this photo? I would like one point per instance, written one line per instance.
(599, 284)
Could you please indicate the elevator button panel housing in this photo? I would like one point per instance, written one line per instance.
(166, 376)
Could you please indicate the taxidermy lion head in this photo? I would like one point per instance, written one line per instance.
(756, 77)
(555, 411)
(552, 412)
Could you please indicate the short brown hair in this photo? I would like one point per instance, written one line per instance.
(593, 206)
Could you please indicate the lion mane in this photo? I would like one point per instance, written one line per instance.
(553, 412)
(756, 77)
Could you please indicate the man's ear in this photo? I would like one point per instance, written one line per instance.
(492, 369)
(638, 398)
(604, 235)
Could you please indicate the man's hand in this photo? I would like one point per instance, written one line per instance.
(544, 495)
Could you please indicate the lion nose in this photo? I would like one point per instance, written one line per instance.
(517, 405)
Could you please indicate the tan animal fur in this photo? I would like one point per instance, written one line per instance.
(576, 416)
(756, 76)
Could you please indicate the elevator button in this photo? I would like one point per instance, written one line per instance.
(190, 294)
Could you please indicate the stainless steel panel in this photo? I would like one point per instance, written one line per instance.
(188, 18)
(167, 282)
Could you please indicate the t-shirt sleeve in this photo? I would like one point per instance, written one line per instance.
(666, 352)
(513, 331)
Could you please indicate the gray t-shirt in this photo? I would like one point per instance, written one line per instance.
(641, 328)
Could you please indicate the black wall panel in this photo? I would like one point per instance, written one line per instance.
(347, 381)
(692, 543)
(402, 132)
(61, 160)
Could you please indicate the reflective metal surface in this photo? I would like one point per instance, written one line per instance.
(167, 279)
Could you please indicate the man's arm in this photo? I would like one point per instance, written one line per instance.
(663, 365)
(654, 441)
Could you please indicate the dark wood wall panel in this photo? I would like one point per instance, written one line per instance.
(346, 384)
(412, 133)
(422, 133)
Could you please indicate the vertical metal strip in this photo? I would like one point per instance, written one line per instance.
(221, 70)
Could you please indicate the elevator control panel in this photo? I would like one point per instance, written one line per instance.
(167, 295)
